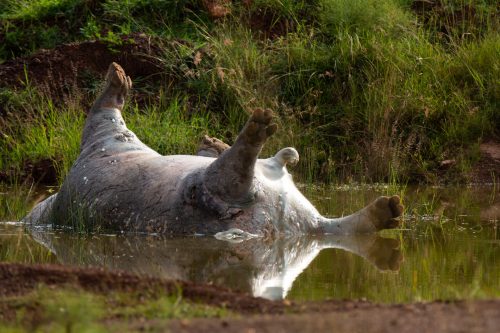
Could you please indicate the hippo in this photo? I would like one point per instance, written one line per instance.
(120, 184)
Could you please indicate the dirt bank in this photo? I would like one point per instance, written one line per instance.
(478, 316)
(260, 315)
(75, 67)
(487, 169)
(18, 279)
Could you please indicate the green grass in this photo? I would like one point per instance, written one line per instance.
(70, 310)
(15, 201)
(366, 90)
(45, 133)
(50, 133)
(167, 128)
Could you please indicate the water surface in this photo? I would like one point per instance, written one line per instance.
(447, 248)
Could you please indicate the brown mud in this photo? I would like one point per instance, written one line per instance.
(472, 316)
(73, 67)
(20, 279)
(487, 169)
(255, 314)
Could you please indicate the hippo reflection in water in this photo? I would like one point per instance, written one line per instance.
(262, 267)
(118, 183)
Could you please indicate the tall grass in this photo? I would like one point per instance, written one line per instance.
(55, 134)
(366, 90)
(46, 133)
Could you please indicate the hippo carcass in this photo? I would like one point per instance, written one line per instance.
(118, 183)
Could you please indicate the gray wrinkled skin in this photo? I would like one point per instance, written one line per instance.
(118, 183)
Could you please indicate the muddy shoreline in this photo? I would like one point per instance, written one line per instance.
(255, 314)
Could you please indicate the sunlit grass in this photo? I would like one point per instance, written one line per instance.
(72, 310)
(47, 133)
(55, 134)
(167, 128)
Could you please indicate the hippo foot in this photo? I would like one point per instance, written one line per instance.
(231, 176)
(117, 87)
(211, 147)
(384, 211)
(259, 127)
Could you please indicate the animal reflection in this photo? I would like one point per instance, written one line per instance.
(261, 267)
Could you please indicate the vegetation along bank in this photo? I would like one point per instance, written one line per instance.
(366, 90)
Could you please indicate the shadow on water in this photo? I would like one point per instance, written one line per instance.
(449, 241)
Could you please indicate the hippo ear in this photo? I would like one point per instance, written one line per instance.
(230, 177)
(288, 155)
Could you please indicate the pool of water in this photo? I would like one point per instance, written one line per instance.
(448, 247)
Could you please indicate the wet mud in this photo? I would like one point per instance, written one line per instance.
(478, 316)
(20, 279)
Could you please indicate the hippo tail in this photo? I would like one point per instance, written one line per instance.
(41, 213)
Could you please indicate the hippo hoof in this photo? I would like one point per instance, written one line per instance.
(116, 78)
(211, 147)
(117, 87)
(386, 210)
(259, 126)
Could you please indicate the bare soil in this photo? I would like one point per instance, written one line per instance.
(257, 314)
(477, 316)
(71, 67)
(217, 8)
(19, 279)
(487, 169)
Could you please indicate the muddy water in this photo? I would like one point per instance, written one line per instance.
(447, 248)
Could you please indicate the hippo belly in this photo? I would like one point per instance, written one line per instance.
(142, 192)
